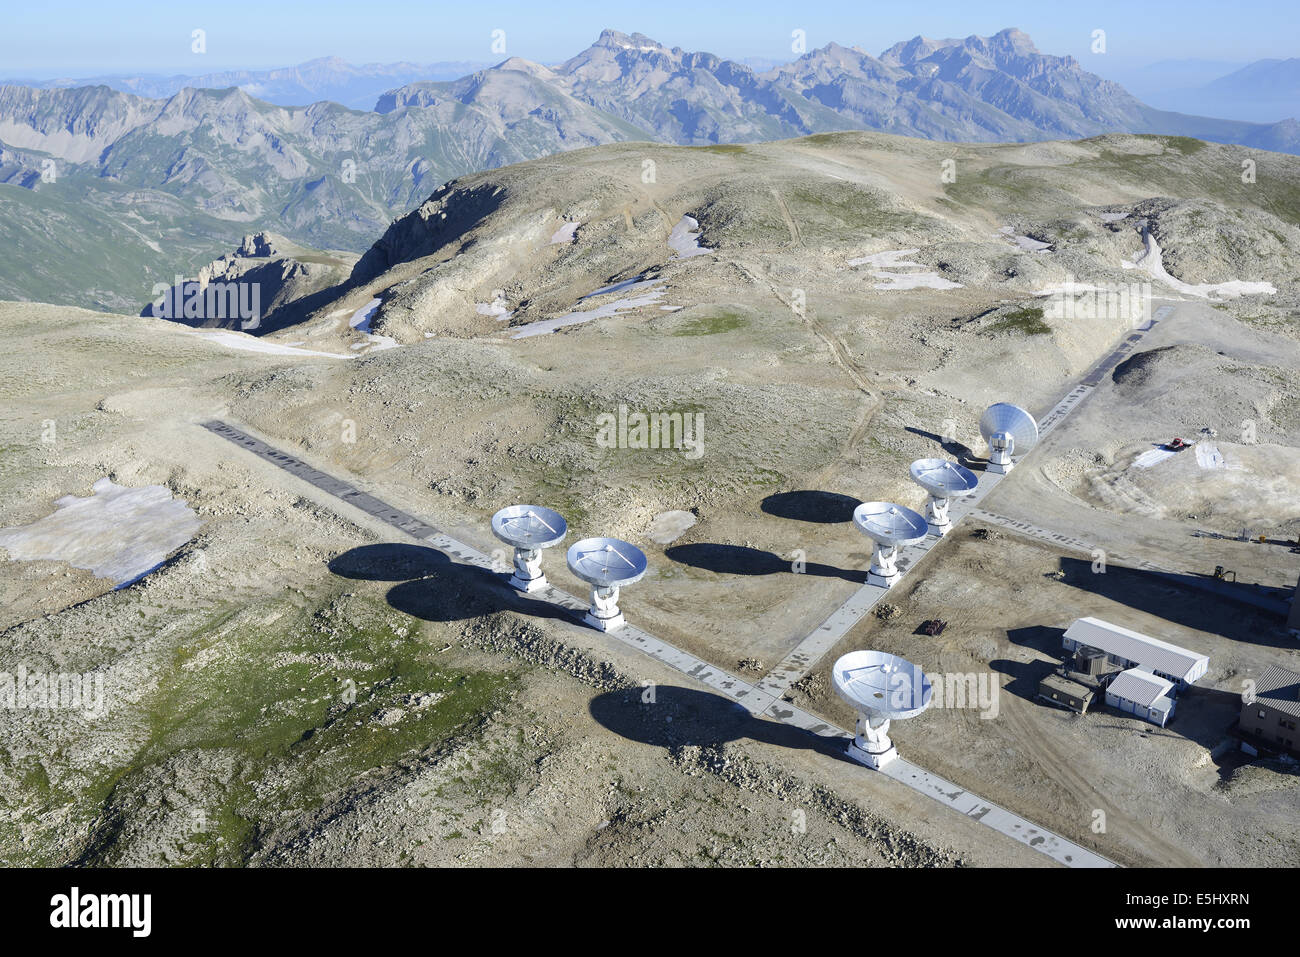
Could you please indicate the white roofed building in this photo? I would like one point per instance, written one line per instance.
(1131, 649)
(1142, 694)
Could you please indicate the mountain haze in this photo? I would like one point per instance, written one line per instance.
(325, 78)
(198, 169)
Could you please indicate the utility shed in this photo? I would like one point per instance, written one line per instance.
(1143, 695)
(1063, 691)
(1130, 649)
(1090, 661)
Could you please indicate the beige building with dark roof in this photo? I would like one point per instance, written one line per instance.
(1272, 715)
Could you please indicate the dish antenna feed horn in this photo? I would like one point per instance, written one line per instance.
(607, 564)
(881, 688)
(944, 481)
(529, 529)
(1010, 431)
(888, 526)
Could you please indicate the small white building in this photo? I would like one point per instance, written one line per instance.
(1131, 649)
(1143, 695)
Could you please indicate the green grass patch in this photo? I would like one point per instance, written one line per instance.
(1184, 144)
(305, 705)
(725, 320)
(723, 149)
(833, 207)
(1027, 321)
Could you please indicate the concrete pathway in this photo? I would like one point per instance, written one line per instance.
(808, 652)
(805, 655)
(755, 700)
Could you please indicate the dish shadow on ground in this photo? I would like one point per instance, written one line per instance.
(683, 717)
(742, 560)
(823, 508)
(432, 587)
(963, 453)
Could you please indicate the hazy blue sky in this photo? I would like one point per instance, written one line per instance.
(83, 37)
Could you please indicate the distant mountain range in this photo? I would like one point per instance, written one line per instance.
(325, 78)
(1272, 87)
(150, 186)
(1263, 91)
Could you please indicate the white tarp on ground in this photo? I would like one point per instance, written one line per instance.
(1208, 456)
(1152, 457)
(117, 533)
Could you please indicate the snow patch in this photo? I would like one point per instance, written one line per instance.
(650, 293)
(685, 239)
(247, 343)
(1026, 243)
(565, 234)
(667, 527)
(616, 287)
(883, 264)
(1151, 261)
(496, 308)
(360, 320)
(117, 533)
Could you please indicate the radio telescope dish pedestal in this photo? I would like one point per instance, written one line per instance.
(881, 688)
(944, 481)
(889, 526)
(529, 529)
(1009, 431)
(607, 564)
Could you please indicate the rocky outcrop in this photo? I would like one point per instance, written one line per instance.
(1203, 241)
(267, 283)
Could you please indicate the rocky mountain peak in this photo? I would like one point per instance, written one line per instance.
(1013, 39)
(637, 41)
(259, 246)
(910, 51)
(520, 65)
(1004, 44)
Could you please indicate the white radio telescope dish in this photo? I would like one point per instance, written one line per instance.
(529, 529)
(881, 688)
(888, 525)
(607, 564)
(1009, 431)
(944, 481)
